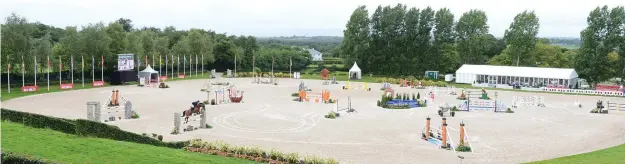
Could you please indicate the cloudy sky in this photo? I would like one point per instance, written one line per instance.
(290, 17)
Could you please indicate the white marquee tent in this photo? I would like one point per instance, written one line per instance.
(355, 72)
(146, 77)
(563, 77)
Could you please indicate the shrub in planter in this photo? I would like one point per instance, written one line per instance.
(509, 110)
(276, 155)
(454, 109)
(330, 115)
(134, 115)
(174, 131)
(413, 97)
(595, 110)
(207, 126)
(379, 103)
(292, 158)
(160, 137)
(295, 94)
(418, 96)
(463, 149)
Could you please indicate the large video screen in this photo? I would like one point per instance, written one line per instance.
(125, 62)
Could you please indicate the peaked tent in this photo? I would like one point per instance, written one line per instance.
(355, 72)
(146, 75)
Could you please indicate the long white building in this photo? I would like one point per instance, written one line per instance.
(534, 76)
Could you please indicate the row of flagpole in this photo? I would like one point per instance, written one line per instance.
(50, 69)
(139, 64)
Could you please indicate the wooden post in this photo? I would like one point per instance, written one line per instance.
(444, 136)
(461, 143)
(427, 128)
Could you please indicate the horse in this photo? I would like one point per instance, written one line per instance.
(198, 108)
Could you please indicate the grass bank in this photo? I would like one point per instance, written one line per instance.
(67, 148)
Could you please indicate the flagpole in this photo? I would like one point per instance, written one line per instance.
(60, 70)
(9, 77)
(82, 63)
(290, 65)
(48, 72)
(93, 68)
(72, 65)
(160, 63)
(23, 69)
(102, 68)
(254, 64)
(35, 70)
(202, 65)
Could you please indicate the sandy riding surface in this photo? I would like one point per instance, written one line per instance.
(270, 119)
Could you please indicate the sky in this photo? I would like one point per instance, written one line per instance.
(290, 17)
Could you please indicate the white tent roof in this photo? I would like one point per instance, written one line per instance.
(149, 70)
(538, 72)
(354, 68)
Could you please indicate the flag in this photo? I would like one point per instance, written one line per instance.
(72, 62)
(48, 64)
(146, 60)
(184, 59)
(9, 68)
(138, 63)
(82, 58)
(153, 60)
(291, 61)
(102, 58)
(23, 66)
(160, 60)
(196, 61)
(60, 65)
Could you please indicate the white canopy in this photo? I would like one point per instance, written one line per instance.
(146, 75)
(355, 72)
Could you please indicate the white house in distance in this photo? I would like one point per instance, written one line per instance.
(556, 77)
(316, 55)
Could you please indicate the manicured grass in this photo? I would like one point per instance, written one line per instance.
(614, 154)
(57, 146)
(54, 86)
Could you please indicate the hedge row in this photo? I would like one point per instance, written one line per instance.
(10, 157)
(84, 128)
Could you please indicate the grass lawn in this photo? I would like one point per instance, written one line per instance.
(614, 154)
(54, 87)
(67, 148)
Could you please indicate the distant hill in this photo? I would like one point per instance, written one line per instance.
(565, 42)
(328, 45)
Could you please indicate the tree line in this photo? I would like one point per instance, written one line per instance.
(24, 40)
(399, 41)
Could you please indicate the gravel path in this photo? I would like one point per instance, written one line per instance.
(270, 119)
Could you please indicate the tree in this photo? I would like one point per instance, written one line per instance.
(161, 47)
(444, 40)
(148, 40)
(590, 62)
(521, 36)
(95, 42)
(135, 44)
(16, 38)
(119, 41)
(126, 24)
(354, 47)
(471, 31)
(200, 44)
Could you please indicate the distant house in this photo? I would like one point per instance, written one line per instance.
(316, 55)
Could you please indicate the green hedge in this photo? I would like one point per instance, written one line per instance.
(100, 130)
(84, 128)
(10, 157)
(40, 121)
